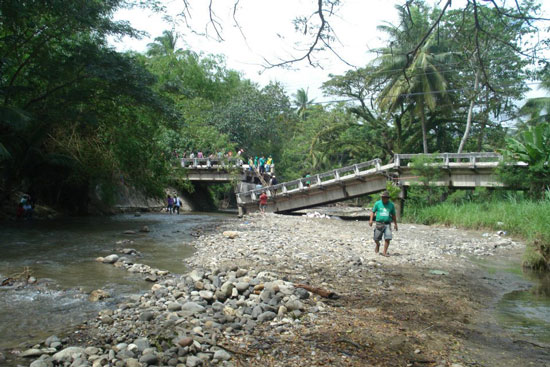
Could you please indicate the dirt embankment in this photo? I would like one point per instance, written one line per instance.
(394, 311)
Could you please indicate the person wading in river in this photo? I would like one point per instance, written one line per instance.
(385, 214)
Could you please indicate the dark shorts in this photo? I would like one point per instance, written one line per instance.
(382, 232)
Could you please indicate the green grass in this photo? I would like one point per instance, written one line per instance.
(529, 220)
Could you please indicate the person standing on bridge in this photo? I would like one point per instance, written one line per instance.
(385, 214)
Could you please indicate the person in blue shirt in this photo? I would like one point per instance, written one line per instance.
(385, 215)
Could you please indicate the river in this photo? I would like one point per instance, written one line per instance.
(61, 253)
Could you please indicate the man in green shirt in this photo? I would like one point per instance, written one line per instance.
(385, 214)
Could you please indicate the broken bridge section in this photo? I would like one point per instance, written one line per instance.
(462, 171)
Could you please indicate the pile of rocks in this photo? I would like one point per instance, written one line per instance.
(183, 321)
(151, 274)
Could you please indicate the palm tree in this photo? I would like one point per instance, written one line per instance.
(164, 45)
(419, 81)
(302, 102)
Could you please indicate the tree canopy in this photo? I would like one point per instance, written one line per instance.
(77, 116)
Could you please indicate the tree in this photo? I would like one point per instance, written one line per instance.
(421, 80)
(164, 45)
(531, 146)
(73, 110)
(302, 102)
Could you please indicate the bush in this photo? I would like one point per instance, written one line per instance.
(525, 218)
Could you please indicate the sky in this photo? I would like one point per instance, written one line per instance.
(267, 33)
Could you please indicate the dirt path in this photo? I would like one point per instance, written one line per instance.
(391, 311)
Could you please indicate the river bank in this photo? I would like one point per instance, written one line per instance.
(428, 304)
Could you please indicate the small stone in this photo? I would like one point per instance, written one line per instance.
(231, 234)
(107, 320)
(294, 305)
(241, 273)
(417, 351)
(111, 259)
(147, 316)
(193, 361)
(242, 286)
(196, 275)
(227, 289)
(149, 359)
(185, 342)
(222, 355)
(67, 353)
(141, 344)
(91, 351)
(302, 293)
(206, 295)
(267, 316)
(256, 312)
(39, 363)
(192, 307)
(31, 353)
(174, 306)
(132, 362)
(145, 229)
(51, 339)
(98, 295)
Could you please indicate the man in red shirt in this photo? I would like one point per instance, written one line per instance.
(263, 202)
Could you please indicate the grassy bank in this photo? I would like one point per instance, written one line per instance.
(528, 219)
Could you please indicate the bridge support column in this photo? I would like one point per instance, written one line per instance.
(400, 202)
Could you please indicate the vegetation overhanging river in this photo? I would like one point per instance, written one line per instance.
(61, 255)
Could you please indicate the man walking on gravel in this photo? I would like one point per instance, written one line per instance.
(385, 214)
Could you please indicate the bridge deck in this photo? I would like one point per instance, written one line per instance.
(216, 170)
(466, 170)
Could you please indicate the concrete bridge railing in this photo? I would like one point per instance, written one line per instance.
(318, 181)
(211, 162)
(452, 159)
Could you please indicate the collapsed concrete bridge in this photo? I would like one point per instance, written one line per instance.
(462, 171)
(465, 171)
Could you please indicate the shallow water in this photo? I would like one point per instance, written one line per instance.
(61, 255)
(527, 311)
(524, 309)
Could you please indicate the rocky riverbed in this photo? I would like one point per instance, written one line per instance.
(272, 290)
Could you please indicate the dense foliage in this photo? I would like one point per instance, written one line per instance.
(78, 117)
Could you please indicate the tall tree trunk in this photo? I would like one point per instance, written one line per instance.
(424, 133)
(470, 113)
